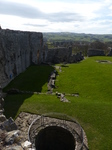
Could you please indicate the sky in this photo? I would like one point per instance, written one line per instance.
(77, 16)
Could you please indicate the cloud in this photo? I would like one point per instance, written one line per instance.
(64, 17)
(35, 25)
(27, 11)
(19, 9)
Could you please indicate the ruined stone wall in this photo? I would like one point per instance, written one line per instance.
(110, 53)
(76, 57)
(95, 52)
(18, 50)
(58, 55)
(63, 54)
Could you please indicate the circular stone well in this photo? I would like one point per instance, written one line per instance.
(54, 138)
(48, 132)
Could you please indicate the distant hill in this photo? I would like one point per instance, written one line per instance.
(66, 36)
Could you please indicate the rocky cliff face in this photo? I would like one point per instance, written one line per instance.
(18, 50)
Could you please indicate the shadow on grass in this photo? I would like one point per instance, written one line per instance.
(64, 65)
(13, 104)
(34, 79)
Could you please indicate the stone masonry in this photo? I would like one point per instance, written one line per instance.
(18, 50)
(95, 52)
(58, 55)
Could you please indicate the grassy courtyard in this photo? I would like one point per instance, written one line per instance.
(92, 108)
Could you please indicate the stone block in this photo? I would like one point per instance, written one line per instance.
(2, 118)
(9, 125)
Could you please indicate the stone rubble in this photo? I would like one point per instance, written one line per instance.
(51, 82)
(62, 98)
(12, 136)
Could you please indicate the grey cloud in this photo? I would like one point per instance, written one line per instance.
(35, 25)
(17, 9)
(76, 25)
(65, 17)
(27, 11)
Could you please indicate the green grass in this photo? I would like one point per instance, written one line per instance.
(34, 79)
(89, 78)
(92, 109)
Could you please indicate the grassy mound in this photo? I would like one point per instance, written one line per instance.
(92, 108)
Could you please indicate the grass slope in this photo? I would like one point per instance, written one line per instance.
(92, 109)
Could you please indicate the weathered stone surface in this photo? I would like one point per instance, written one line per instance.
(18, 50)
(1, 102)
(2, 138)
(42, 123)
(110, 53)
(12, 137)
(23, 121)
(95, 52)
(51, 82)
(58, 55)
(63, 99)
(15, 148)
(76, 58)
(53, 75)
(26, 144)
(2, 118)
(9, 125)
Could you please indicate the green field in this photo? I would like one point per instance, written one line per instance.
(92, 108)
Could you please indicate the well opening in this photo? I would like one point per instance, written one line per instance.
(54, 138)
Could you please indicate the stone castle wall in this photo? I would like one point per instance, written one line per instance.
(95, 52)
(110, 53)
(63, 54)
(18, 50)
(58, 55)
